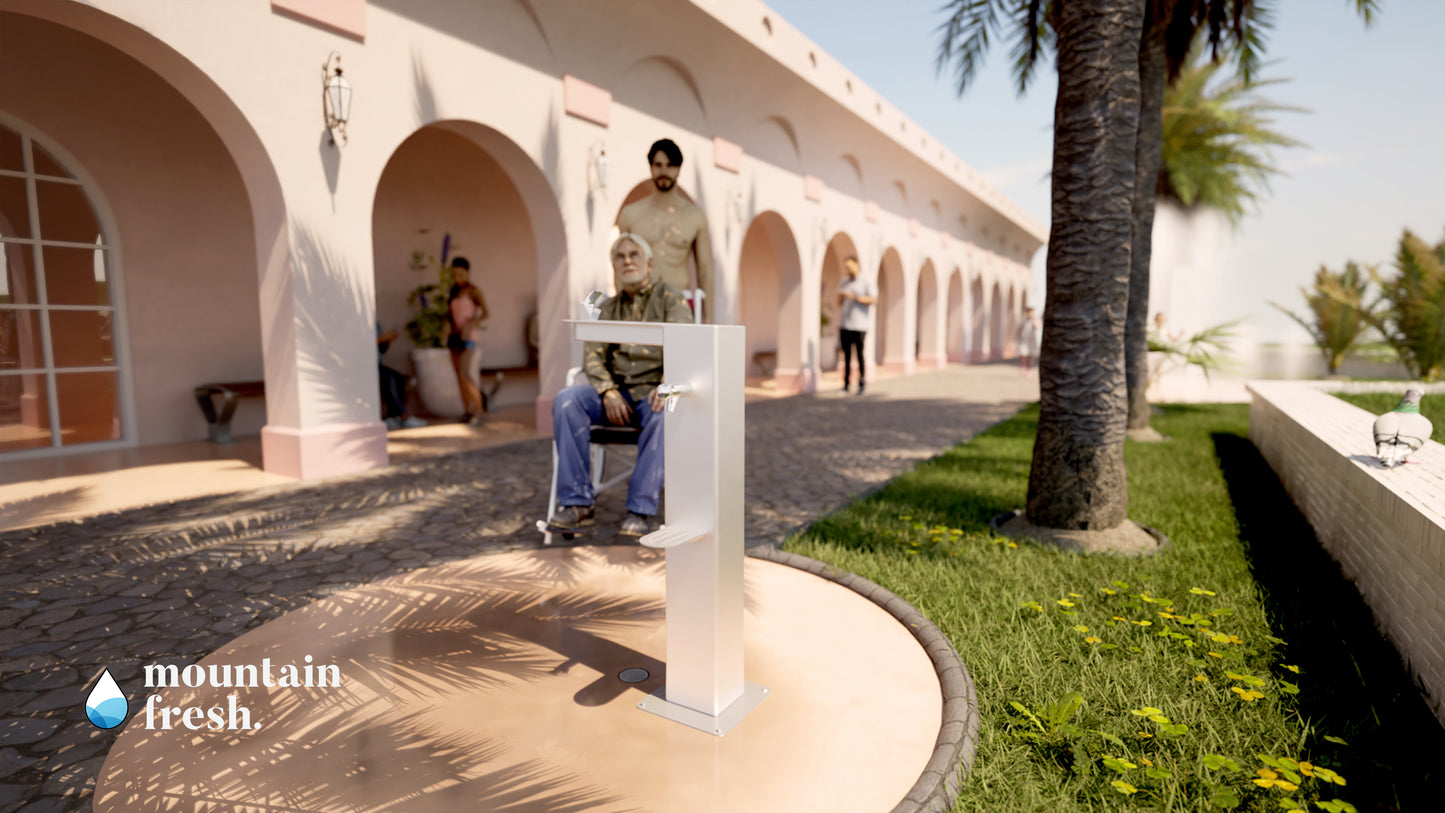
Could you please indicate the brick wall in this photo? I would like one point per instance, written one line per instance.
(1386, 528)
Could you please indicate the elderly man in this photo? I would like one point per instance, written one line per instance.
(622, 387)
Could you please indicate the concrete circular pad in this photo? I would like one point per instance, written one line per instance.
(492, 684)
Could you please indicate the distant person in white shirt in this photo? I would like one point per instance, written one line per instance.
(1028, 341)
(855, 300)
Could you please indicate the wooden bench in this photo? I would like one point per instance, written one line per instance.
(218, 425)
(499, 376)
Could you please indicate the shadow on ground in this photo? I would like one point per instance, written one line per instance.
(1354, 685)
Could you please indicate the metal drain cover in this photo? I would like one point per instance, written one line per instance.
(633, 675)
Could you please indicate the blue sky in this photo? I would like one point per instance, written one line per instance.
(1374, 160)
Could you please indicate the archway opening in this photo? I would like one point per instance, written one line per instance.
(890, 352)
(996, 321)
(121, 370)
(840, 248)
(770, 304)
(978, 318)
(954, 329)
(444, 194)
(927, 345)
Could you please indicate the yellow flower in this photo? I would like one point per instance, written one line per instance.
(1307, 769)
(1144, 623)
(1076, 595)
(1110, 592)
(1120, 618)
(1063, 602)
(1215, 654)
(1201, 678)
(1294, 669)
(1144, 735)
(1092, 640)
(1013, 544)
(1080, 628)
(1246, 694)
(1145, 761)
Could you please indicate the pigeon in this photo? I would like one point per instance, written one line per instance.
(1401, 431)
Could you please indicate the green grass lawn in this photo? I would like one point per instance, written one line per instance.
(1234, 667)
(1376, 403)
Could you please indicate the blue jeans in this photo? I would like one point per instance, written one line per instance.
(574, 412)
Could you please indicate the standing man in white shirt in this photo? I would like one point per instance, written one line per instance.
(855, 301)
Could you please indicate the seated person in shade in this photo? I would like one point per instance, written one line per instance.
(393, 387)
(621, 389)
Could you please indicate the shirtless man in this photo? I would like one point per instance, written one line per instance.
(674, 227)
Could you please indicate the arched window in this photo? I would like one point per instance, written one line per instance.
(59, 373)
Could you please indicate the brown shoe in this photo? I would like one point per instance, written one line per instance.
(572, 516)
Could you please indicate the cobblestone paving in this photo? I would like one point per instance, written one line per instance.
(172, 583)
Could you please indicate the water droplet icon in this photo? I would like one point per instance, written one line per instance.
(106, 705)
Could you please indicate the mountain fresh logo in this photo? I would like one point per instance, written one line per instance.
(106, 705)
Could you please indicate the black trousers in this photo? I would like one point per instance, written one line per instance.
(852, 342)
(393, 392)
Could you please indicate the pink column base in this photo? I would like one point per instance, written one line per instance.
(543, 414)
(932, 362)
(324, 451)
(796, 381)
(957, 358)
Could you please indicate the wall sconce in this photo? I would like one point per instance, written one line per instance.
(737, 207)
(598, 166)
(335, 98)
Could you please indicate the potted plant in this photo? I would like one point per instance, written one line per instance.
(436, 377)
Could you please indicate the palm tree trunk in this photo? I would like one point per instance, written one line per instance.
(1153, 70)
(1077, 479)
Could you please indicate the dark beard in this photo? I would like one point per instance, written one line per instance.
(658, 184)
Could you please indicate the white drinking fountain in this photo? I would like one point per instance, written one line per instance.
(703, 369)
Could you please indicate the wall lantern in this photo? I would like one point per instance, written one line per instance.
(738, 207)
(335, 98)
(598, 167)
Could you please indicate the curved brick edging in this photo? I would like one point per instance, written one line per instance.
(953, 751)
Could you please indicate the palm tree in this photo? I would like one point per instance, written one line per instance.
(1215, 141)
(1165, 30)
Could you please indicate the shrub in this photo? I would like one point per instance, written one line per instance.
(1410, 312)
(1340, 315)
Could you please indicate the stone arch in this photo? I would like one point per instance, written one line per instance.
(170, 130)
(831, 275)
(955, 323)
(770, 301)
(928, 349)
(1011, 324)
(890, 335)
(978, 319)
(664, 88)
(774, 140)
(467, 184)
(996, 323)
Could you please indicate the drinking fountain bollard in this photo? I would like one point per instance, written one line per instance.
(703, 533)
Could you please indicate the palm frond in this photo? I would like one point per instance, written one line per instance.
(1217, 140)
(964, 38)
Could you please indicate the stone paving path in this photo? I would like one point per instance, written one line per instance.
(172, 583)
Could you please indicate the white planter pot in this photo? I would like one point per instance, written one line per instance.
(436, 382)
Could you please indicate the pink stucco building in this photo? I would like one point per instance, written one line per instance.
(173, 210)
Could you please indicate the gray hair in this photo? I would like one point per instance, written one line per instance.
(635, 239)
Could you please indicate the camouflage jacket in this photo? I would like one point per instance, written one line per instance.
(635, 367)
